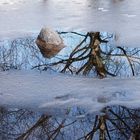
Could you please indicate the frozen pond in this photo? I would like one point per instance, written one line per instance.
(119, 16)
(121, 123)
(47, 105)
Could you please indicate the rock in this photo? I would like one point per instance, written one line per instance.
(49, 42)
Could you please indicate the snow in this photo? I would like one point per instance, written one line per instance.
(55, 92)
(118, 16)
(51, 92)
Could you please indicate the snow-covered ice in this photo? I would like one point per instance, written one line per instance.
(118, 16)
(51, 91)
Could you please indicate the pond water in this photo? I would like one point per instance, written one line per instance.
(119, 16)
(119, 123)
(25, 114)
(27, 17)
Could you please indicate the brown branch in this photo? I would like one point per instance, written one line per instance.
(120, 119)
(122, 132)
(127, 59)
(40, 121)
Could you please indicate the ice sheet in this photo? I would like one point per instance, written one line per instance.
(118, 16)
(51, 91)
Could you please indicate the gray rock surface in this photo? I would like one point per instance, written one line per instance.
(49, 42)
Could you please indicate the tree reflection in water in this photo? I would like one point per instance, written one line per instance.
(112, 123)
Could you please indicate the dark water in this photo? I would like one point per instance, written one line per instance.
(22, 16)
(115, 123)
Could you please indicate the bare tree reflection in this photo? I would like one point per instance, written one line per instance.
(82, 58)
(116, 122)
(113, 123)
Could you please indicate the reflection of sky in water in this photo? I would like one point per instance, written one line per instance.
(23, 123)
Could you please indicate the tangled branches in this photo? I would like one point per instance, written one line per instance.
(115, 122)
(94, 58)
(94, 55)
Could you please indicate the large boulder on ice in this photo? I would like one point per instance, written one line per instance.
(49, 42)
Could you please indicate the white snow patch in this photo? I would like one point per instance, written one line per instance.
(118, 16)
(60, 92)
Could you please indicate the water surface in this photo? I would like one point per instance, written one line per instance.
(119, 123)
